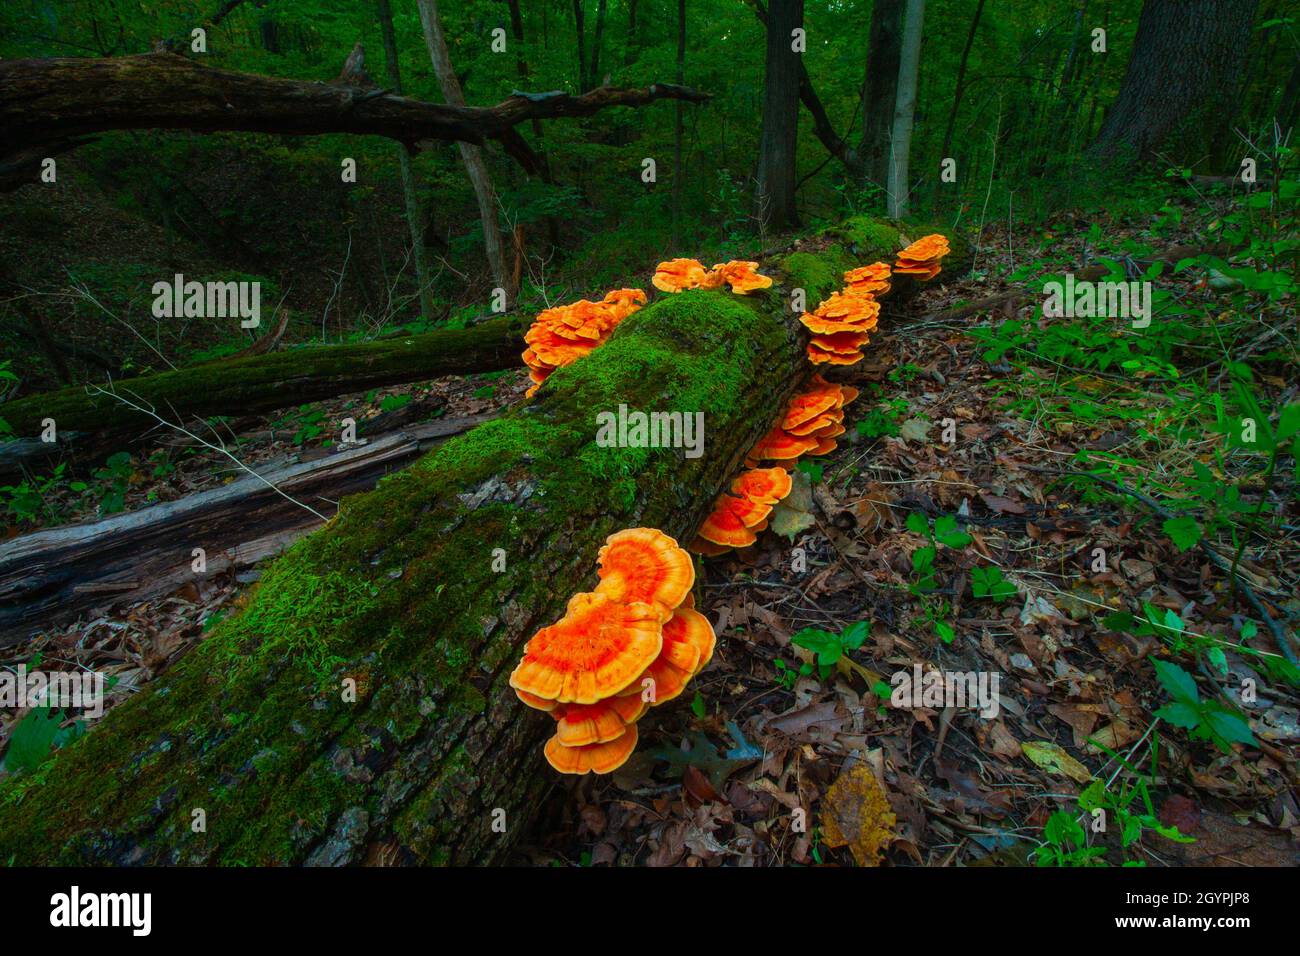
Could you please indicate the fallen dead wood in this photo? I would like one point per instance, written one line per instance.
(46, 104)
(91, 420)
(51, 577)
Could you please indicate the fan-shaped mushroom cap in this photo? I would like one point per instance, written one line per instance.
(644, 564)
(873, 278)
(624, 302)
(842, 342)
(593, 652)
(927, 248)
(829, 430)
(808, 405)
(820, 356)
(780, 444)
(678, 274)
(537, 703)
(824, 447)
(726, 526)
(850, 307)
(849, 394)
(580, 724)
(812, 426)
(668, 681)
(688, 628)
(766, 485)
(593, 758)
(743, 277)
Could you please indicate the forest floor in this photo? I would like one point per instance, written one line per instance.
(758, 763)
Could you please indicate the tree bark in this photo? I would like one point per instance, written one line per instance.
(775, 193)
(880, 87)
(959, 89)
(899, 186)
(51, 577)
(679, 174)
(263, 383)
(414, 217)
(596, 43)
(579, 29)
(47, 106)
(471, 155)
(1178, 94)
(398, 596)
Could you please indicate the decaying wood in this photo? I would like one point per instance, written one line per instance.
(46, 104)
(51, 577)
(401, 596)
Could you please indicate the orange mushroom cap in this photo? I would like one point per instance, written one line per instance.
(725, 526)
(667, 681)
(808, 405)
(766, 485)
(593, 758)
(814, 425)
(537, 703)
(780, 444)
(824, 447)
(688, 628)
(593, 652)
(849, 394)
(820, 356)
(852, 307)
(578, 725)
(743, 277)
(843, 342)
(678, 274)
(864, 278)
(747, 510)
(830, 430)
(643, 564)
(927, 248)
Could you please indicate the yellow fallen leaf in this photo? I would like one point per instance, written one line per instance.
(855, 812)
(1053, 759)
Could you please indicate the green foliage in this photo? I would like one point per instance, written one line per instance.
(1205, 719)
(987, 582)
(36, 736)
(828, 648)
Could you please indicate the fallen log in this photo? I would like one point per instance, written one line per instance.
(401, 598)
(52, 577)
(90, 415)
(48, 104)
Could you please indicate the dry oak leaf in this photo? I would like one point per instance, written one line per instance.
(856, 813)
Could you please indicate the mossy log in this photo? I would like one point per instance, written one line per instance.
(264, 383)
(435, 761)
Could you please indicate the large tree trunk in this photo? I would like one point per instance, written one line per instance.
(414, 218)
(880, 87)
(1179, 93)
(679, 174)
(47, 106)
(774, 196)
(398, 595)
(899, 186)
(471, 155)
(263, 383)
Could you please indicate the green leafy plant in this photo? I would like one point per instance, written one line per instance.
(988, 582)
(1206, 719)
(829, 648)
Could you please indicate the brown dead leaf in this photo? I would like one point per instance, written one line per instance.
(856, 813)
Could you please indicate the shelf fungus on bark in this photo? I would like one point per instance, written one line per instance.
(563, 334)
(921, 258)
(765, 485)
(632, 643)
(679, 275)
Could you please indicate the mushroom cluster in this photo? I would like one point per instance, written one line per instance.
(740, 514)
(565, 333)
(840, 326)
(812, 421)
(677, 275)
(921, 258)
(631, 644)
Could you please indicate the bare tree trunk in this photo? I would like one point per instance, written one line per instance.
(413, 216)
(471, 155)
(678, 172)
(880, 87)
(579, 29)
(775, 196)
(629, 53)
(960, 89)
(596, 44)
(898, 184)
(1179, 91)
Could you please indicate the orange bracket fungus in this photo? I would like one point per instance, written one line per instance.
(922, 257)
(678, 275)
(565, 333)
(634, 642)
